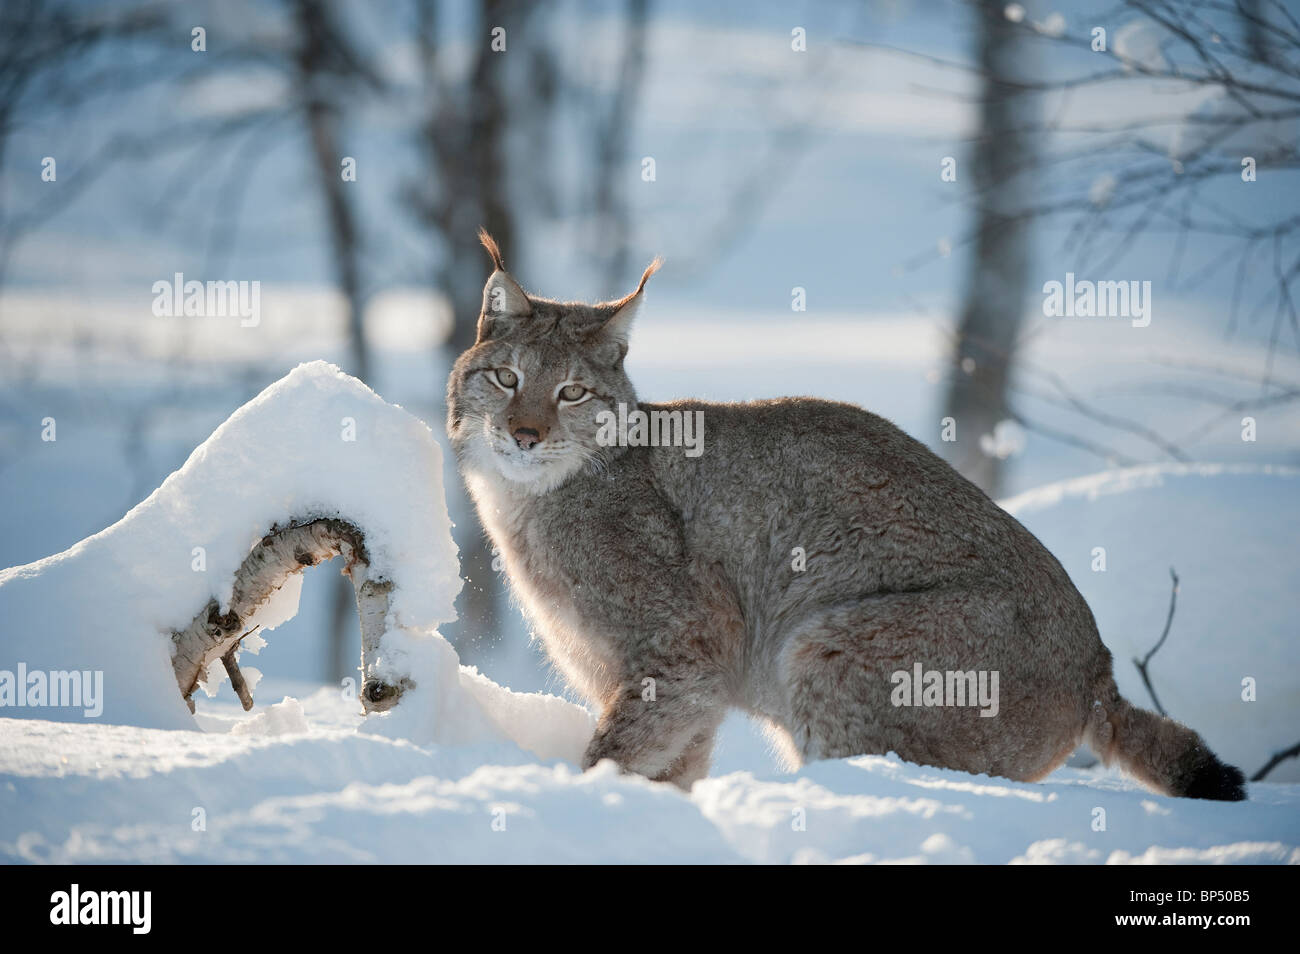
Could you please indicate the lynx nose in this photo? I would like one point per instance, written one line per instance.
(526, 437)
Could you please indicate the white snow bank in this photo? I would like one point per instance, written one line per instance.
(453, 704)
(1231, 534)
(96, 793)
(317, 443)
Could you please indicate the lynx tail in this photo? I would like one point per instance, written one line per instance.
(1159, 752)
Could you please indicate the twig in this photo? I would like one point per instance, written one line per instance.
(1142, 663)
(1277, 759)
(237, 681)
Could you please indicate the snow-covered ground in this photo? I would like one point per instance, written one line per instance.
(466, 770)
(306, 786)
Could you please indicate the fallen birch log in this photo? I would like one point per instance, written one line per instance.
(286, 550)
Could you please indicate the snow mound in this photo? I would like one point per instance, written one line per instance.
(316, 443)
(286, 717)
(453, 704)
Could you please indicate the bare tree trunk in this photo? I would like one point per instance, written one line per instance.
(343, 233)
(322, 120)
(999, 269)
(611, 212)
(474, 190)
(1256, 27)
(343, 239)
(465, 144)
(313, 63)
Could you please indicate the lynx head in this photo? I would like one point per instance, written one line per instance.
(523, 402)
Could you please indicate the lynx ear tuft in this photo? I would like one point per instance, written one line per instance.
(502, 296)
(650, 269)
(619, 326)
(490, 244)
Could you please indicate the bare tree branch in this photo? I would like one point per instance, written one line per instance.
(1145, 660)
(1277, 759)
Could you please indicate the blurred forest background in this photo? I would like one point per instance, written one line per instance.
(858, 200)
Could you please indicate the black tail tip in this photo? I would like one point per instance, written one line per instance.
(1213, 779)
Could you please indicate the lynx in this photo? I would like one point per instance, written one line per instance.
(664, 588)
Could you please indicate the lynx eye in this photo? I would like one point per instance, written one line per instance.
(506, 378)
(572, 392)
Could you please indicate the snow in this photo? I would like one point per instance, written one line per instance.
(463, 769)
(456, 705)
(286, 717)
(101, 793)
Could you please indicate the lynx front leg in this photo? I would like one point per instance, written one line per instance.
(660, 728)
(693, 764)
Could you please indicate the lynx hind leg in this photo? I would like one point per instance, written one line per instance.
(838, 670)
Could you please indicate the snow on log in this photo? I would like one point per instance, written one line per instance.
(161, 602)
